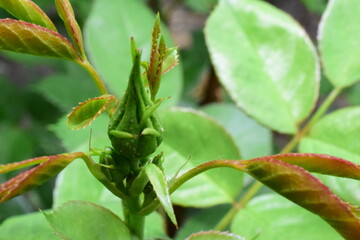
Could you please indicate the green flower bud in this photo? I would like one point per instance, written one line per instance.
(134, 129)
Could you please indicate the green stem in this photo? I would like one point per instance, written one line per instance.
(139, 183)
(95, 76)
(239, 165)
(225, 221)
(133, 219)
(317, 115)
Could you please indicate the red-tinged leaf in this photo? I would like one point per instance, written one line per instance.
(23, 37)
(321, 163)
(28, 11)
(158, 53)
(18, 165)
(154, 44)
(214, 235)
(36, 176)
(87, 111)
(67, 14)
(171, 60)
(302, 188)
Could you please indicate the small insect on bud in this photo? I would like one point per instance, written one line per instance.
(134, 129)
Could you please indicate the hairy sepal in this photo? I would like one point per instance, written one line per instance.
(302, 188)
(36, 176)
(27, 11)
(23, 37)
(82, 115)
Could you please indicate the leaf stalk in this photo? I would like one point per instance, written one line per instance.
(95, 76)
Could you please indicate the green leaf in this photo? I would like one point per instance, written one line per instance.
(44, 4)
(214, 235)
(265, 60)
(82, 87)
(28, 226)
(196, 64)
(112, 23)
(27, 11)
(171, 60)
(87, 111)
(272, 217)
(252, 139)
(157, 180)
(201, 220)
(92, 222)
(353, 94)
(201, 6)
(81, 139)
(316, 6)
(36, 176)
(191, 139)
(11, 137)
(337, 134)
(299, 186)
(67, 14)
(23, 37)
(339, 45)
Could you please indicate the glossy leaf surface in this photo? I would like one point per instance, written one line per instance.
(338, 134)
(31, 226)
(272, 217)
(191, 139)
(157, 180)
(265, 60)
(107, 33)
(307, 191)
(214, 235)
(87, 111)
(252, 139)
(27, 11)
(23, 37)
(339, 44)
(36, 176)
(67, 14)
(92, 222)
